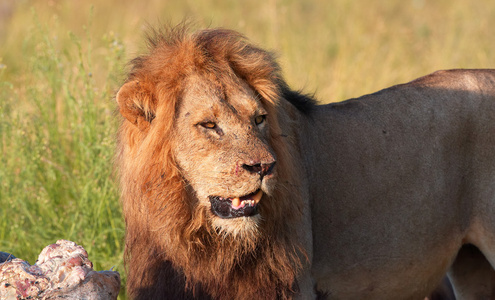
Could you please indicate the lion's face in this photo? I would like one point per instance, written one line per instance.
(221, 147)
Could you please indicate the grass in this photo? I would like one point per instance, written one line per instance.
(57, 133)
(62, 61)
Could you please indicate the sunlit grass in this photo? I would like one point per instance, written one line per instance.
(57, 131)
(62, 61)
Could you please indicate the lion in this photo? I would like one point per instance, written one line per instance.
(235, 186)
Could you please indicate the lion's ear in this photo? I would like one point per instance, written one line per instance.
(136, 103)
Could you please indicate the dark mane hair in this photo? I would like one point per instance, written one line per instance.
(303, 102)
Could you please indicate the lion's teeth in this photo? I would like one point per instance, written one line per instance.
(236, 202)
(248, 202)
(257, 197)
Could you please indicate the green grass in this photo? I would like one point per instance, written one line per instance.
(62, 61)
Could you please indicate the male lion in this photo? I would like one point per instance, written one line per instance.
(236, 187)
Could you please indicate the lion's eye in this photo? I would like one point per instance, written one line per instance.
(259, 119)
(209, 125)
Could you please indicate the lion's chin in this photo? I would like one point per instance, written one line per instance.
(242, 227)
(236, 207)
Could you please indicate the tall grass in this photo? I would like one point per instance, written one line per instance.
(57, 130)
(62, 61)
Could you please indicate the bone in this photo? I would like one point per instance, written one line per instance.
(62, 270)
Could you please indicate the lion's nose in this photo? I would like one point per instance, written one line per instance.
(263, 169)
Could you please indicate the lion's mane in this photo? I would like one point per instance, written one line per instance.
(170, 247)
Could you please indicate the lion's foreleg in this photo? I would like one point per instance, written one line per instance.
(471, 275)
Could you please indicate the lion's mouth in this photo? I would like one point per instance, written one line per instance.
(244, 206)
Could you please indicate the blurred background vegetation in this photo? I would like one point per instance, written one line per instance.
(61, 63)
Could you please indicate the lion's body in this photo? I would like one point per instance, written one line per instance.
(401, 179)
(231, 191)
